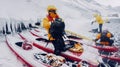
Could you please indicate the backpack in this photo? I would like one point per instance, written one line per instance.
(104, 37)
(57, 28)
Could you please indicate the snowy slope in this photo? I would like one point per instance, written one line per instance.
(26, 9)
(31, 10)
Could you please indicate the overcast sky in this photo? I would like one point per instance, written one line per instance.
(109, 2)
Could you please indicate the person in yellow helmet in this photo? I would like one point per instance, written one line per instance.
(99, 20)
(58, 43)
(104, 38)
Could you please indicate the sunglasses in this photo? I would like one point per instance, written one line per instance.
(54, 11)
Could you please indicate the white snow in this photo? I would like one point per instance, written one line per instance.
(7, 57)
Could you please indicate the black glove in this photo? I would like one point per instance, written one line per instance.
(108, 21)
(38, 23)
(92, 22)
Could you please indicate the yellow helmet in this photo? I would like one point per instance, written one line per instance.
(51, 7)
(95, 15)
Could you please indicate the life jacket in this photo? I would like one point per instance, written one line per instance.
(99, 19)
(105, 38)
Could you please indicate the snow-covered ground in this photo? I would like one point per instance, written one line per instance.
(7, 58)
(76, 14)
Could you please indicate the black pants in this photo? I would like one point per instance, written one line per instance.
(100, 28)
(59, 45)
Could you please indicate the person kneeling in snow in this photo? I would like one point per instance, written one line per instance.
(54, 34)
(105, 38)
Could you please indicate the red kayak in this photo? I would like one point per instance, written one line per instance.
(107, 48)
(112, 58)
(34, 34)
(25, 56)
(102, 48)
(40, 46)
(69, 55)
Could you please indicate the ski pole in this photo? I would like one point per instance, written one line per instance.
(47, 42)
